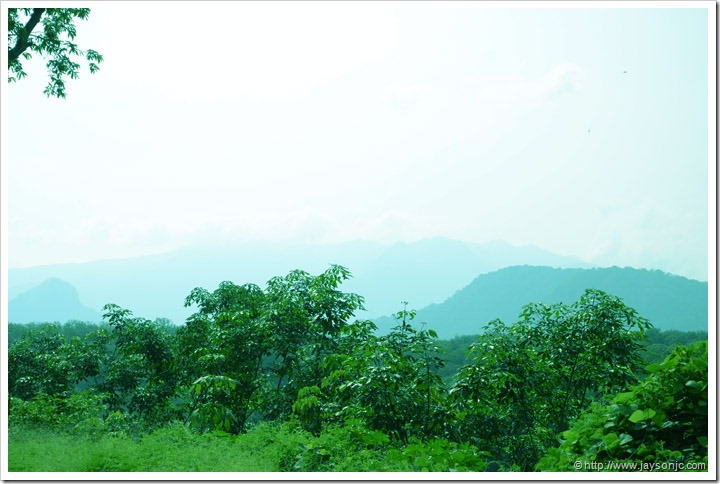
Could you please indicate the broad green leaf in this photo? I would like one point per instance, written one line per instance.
(610, 439)
(623, 397)
(625, 438)
(637, 416)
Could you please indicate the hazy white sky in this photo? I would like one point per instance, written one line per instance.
(581, 130)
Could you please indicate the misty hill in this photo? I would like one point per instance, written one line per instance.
(668, 301)
(52, 300)
(431, 270)
(423, 272)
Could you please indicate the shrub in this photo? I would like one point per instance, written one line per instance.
(60, 412)
(662, 419)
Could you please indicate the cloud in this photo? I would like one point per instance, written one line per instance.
(517, 93)
(563, 79)
(641, 235)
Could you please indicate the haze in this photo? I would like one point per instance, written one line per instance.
(583, 131)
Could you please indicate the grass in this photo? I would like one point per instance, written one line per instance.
(266, 448)
(166, 450)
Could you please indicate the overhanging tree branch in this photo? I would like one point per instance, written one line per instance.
(23, 41)
(47, 41)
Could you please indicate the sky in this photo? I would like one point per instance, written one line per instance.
(584, 131)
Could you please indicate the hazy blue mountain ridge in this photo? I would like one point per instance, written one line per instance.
(667, 300)
(411, 272)
(423, 272)
(431, 270)
(54, 300)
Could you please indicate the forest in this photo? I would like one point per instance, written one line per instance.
(283, 378)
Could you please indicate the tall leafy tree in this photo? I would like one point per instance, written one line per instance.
(50, 33)
(138, 374)
(250, 352)
(389, 383)
(222, 347)
(306, 317)
(526, 381)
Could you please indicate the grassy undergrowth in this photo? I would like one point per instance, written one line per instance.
(166, 450)
(266, 448)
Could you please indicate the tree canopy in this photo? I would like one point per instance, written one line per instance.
(49, 32)
(560, 385)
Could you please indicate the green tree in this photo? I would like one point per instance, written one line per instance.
(389, 383)
(526, 381)
(49, 32)
(138, 370)
(249, 352)
(306, 317)
(221, 348)
(44, 361)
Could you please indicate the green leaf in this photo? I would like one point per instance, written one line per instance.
(625, 438)
(623, 397)
(637, 416)
(610, 439)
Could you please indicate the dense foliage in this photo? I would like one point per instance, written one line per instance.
(661, 420)
(527, 381)
(287, 364)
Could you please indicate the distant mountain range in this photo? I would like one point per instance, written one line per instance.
(668, 301)
(53, 300)
(457, 287)
(423, 272)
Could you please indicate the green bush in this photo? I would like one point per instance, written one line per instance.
(81, 410)
(663, 419)
(439, 455)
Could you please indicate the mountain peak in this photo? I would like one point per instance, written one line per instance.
(52, 300)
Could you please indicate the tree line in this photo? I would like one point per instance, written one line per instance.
(292, 352)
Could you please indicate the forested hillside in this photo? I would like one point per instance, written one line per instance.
(287, 370)
(668, 301)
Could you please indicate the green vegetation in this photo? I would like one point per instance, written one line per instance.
(282, 379)
(527, 381)
(268, 447)
(657, 345)
(662, 419)
(48, 32)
